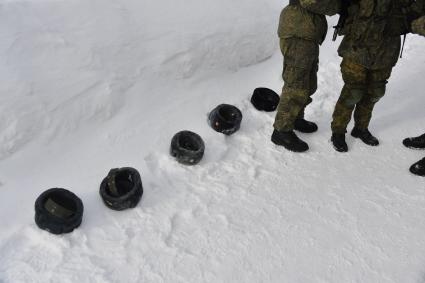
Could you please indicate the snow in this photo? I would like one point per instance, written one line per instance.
(91, 85)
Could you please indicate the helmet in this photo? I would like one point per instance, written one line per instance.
(122, 188)
(58, 211)
(225, 119)
(187, 147)
(265, 99)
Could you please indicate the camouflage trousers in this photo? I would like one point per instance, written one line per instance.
(301, 59)
(362, 89)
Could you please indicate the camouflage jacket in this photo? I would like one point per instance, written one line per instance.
(418, 22)
(418, 26)
(372, 31)
(306, 19)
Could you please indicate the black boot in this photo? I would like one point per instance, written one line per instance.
(416, 142)
(305, 126)
(338, 141)
(418, 168)
(365, 136)
(289, 140)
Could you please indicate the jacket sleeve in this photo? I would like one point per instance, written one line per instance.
(403, 15)
(323, 7)
(415, 9)
(418, 26)
(416, 17)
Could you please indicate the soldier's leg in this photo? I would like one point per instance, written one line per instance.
(293, 99)
(377, 82)
(301, 124)
(299, 59)
(354, 89)
(312, 87)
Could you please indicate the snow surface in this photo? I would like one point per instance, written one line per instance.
(88, 85)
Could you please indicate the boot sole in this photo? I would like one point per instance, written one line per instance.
(412, 146)
(285, 146)
(413, 171)
(305, 132)
(338, 149)
(358, 137)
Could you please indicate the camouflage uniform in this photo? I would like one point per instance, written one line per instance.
(302, 28)
(418, 26)
(369, 50)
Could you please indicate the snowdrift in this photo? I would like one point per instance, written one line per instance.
(76, 59)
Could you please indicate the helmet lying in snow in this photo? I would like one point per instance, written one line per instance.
(58, 211)
(187, 147)
(122, 188)
(225, 119)
(265, 99)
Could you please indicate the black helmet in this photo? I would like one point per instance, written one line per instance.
(122, 188)
(265, 99)
(225, 119)
(187, 147)
(58, 211)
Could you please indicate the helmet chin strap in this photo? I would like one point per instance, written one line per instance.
(57, 209)
(112, 186)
